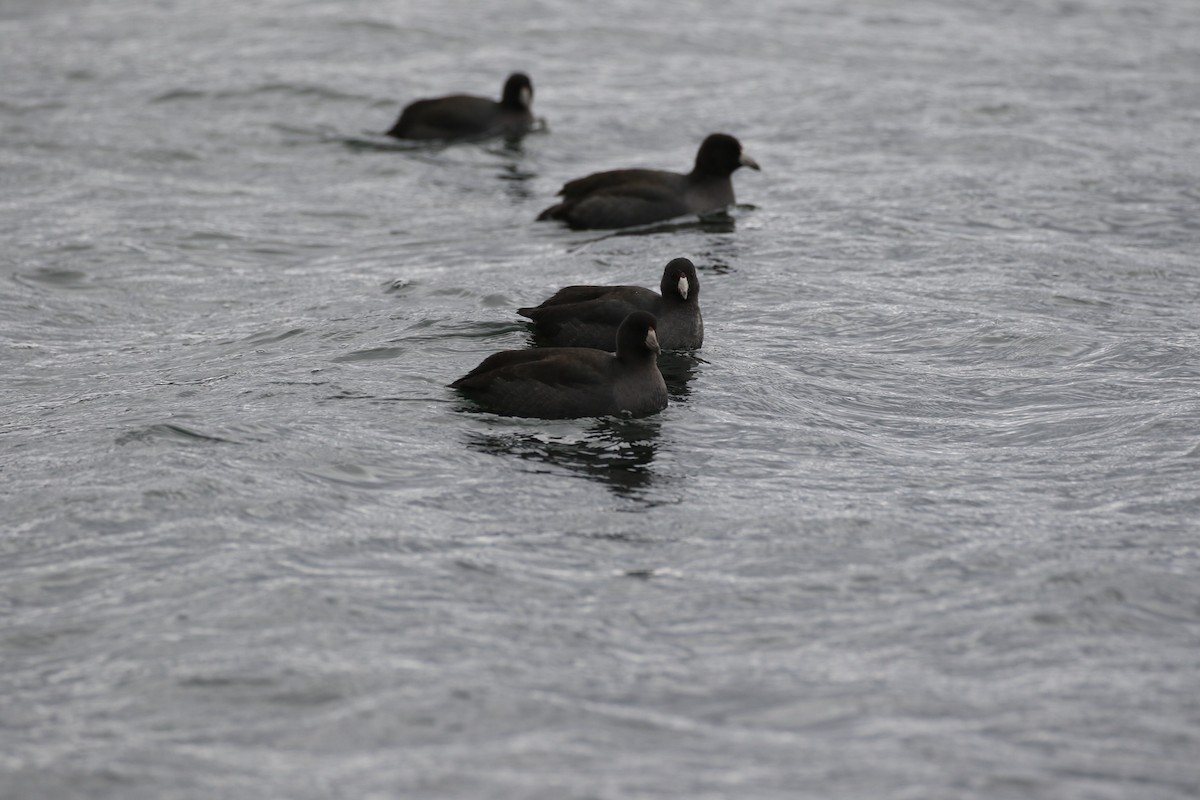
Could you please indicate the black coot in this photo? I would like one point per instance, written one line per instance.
(567, 382)
(589, 316)
(463, 116)
(625, 197)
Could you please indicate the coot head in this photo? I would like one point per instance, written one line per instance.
(721, 154)
(636, 338)
(518, 92)
(679, 280)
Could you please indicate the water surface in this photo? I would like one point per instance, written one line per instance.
(919, 522)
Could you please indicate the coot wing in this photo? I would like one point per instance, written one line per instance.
(614, 179)
(445, 117)
(552, 366)
(628, 204)
(551, 383)
(637, 297)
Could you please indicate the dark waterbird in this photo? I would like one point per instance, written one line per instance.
(589, 316)
(568, 382)
(462, 116)
(624, 197)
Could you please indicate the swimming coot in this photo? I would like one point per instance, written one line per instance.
(588, 316)
(567, 382)
(463, 116)
(626, 197)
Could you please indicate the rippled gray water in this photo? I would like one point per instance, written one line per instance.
(920, 521)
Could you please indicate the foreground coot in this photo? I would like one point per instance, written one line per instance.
(589, 316)
(463, 116)
(626, 197)
(567, 382)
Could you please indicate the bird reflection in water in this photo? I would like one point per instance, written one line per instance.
(614, 451)
(518, 179)
(714, 222)
(678, 367)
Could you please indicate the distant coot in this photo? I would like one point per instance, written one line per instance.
(625, 197)
(589, 316)
(462, 116)
(567, 382)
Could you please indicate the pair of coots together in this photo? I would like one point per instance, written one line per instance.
(614, 199)
(580, 375)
